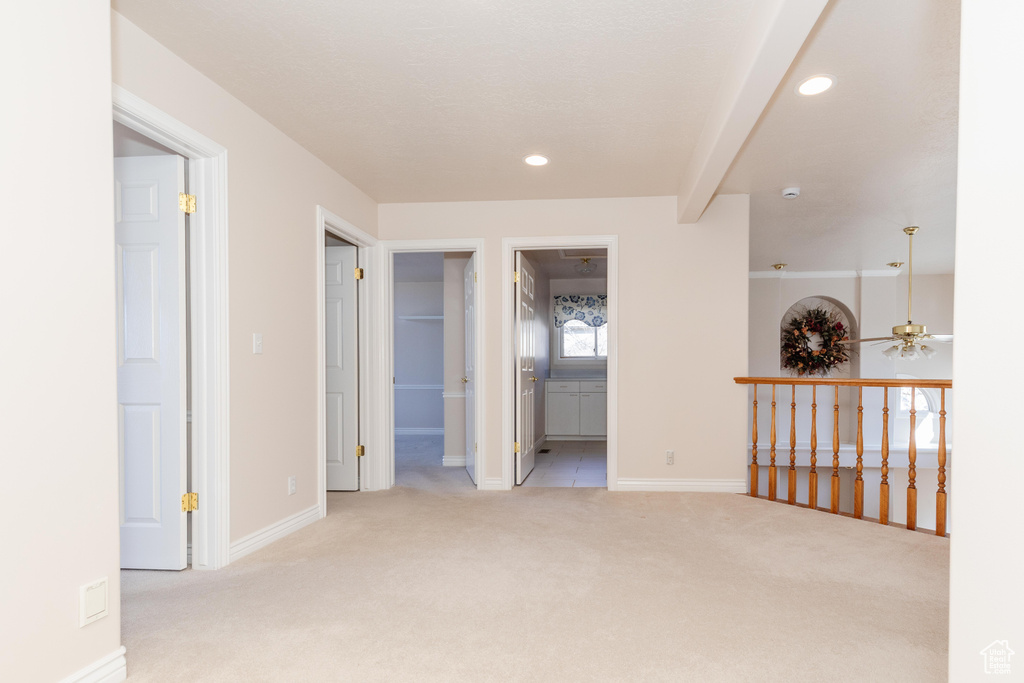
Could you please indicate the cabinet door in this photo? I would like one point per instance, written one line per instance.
(593, 414)
(563, 414)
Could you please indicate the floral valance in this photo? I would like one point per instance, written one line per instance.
(590, 309)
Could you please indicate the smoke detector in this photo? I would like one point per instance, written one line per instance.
(791, 193)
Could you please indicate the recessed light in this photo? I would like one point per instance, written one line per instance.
(815, 85)
(536, 160)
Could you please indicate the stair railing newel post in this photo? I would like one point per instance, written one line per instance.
(912, 469)
(772, 480)
(883, 488)
(940, 495)
(858, 483)
(792, 449)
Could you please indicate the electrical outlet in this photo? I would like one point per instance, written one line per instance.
(257, 342)
(291, 486)
(670, 457)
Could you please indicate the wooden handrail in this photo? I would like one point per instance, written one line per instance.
(858, 491)
(828, 382)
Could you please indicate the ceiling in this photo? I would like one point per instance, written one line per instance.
(440, 101)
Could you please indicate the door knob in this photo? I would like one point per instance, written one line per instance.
(533, 379)
(465, 379)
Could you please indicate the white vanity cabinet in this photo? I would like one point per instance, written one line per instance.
(576, 408)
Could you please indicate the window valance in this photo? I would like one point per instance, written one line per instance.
(590, 309)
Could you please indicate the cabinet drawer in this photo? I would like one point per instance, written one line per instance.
(562, 386)
(599, 387)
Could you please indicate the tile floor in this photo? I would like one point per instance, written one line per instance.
(570, 464)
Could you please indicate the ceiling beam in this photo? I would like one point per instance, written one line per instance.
(773, 36)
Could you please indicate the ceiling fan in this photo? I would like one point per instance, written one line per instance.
(908, 337)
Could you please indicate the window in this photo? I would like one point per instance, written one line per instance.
(579, 340)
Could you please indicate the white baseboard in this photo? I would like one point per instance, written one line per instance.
(111, 669)
(573, 437)
(419, 431)
(492, 484)
(684, 485)
(454, 461)
(268, 535)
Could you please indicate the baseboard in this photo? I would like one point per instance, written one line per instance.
(454, 461)
(573, 437)
(110, 669)
(268, 535)
(684, 485)
(419, 431)
(493, 484)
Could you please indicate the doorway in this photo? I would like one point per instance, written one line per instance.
(206, 166)
(574, 402)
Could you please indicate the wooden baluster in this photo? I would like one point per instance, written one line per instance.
(912, 468)
(772, 481)
(883, 488)
(940, 496)
(753, 458)
(834, 506)
(792, 449)
(812, 477)
(858, 483)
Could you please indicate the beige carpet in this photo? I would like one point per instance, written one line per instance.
(434, 581)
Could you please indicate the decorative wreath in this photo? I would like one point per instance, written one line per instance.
(797, 354)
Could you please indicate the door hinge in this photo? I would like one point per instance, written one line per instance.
(187, 202)
(515, 276)
(359, 273)
(189, 502)
(360, 451)
(515, 447)
(475, 444)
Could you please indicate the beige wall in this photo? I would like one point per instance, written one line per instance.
(274, 187)
(675, 387)
(58, 400)
(986, 554)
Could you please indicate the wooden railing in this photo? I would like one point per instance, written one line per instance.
(858, 491)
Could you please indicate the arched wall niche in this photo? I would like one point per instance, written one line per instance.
(849, 320)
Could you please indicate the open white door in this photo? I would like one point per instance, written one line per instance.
(342, 362)
(149, 238)
(526, 380)
(469, 379)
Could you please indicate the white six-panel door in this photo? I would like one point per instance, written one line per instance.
(526, 379)
(150, 262)
(342, 363)
(469, 379)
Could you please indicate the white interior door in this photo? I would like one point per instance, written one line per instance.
(469, 379)
(149, 238)
(526, 379)
(342, 364)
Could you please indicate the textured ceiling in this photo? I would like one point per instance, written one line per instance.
(440, 100)
(872, 155)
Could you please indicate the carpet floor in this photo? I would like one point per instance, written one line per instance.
(435, 581)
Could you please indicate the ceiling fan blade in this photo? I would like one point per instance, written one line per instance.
(868, 339)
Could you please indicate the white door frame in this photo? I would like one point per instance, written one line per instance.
(208, 227)
(387, 269)
(369, 353)
(509, 245)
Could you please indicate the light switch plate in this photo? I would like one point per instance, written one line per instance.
(257, 342)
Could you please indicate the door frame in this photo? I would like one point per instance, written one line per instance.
(369, 353)
(208, 256)
(387, 268)
(509, 246)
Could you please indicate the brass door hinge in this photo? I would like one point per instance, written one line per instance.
(359, 273)
(515, 276)
(515, 447)
(187, 202)
(360, 451)
(189, 502)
